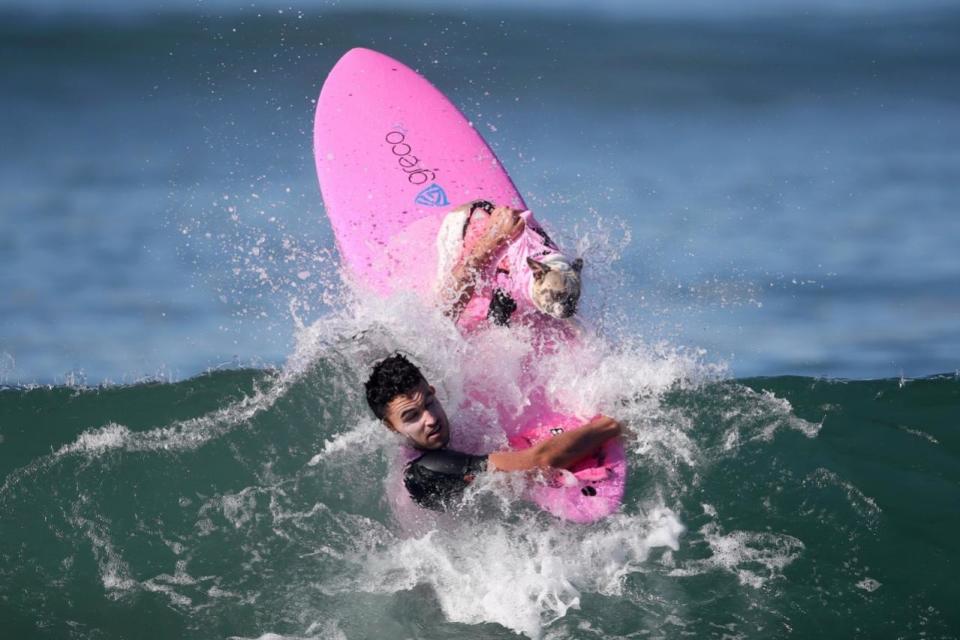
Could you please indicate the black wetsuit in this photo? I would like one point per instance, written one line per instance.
(437, 479)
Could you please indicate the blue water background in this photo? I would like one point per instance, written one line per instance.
(788, 179)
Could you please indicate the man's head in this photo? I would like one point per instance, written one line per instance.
(399, 395)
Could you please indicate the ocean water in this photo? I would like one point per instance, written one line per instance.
(253, 504)
(784, 187)
(765, 202)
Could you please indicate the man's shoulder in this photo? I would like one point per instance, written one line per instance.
(438, 477)
(447, 460)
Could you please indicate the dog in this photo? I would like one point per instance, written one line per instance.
(529, 275)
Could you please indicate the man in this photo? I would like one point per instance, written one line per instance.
(400, 396)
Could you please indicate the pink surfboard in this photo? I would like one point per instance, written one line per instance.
(393, 156)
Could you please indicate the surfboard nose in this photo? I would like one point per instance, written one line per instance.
(358, 55)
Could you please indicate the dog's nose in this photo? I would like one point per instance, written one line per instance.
(569, 308)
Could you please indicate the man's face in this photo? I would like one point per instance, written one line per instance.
(419, 416)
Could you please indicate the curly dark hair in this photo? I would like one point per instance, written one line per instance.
(390, 378)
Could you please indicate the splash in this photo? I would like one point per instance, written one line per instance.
(296, 473)
(522, 575)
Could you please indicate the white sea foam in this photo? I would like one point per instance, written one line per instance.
(366, 438)
(754, 558)
(521, 575)
(869, 585)
(115, 573)
(327, 630)
(863, 505)
(180, 436)
(183, 435)
(920, 434)
(753, 416)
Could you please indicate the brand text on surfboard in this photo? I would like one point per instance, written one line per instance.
(409, 163)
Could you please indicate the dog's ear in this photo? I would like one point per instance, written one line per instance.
(577, 265)
(539, 269)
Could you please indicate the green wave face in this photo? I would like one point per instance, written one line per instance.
(247, 502)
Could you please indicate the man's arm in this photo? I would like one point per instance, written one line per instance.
(561, 451)
(437, 478)
(505, 225)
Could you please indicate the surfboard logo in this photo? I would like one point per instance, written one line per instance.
(432, 196)
(408, 162)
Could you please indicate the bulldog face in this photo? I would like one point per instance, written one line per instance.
(556, 286)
